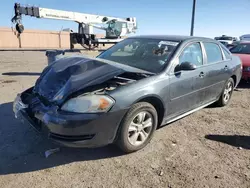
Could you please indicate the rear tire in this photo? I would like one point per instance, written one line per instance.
(137, 127)
(226, 93)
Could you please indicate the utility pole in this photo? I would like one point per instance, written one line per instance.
(193, 16)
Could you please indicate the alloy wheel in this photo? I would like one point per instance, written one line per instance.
(227, 92)
(140, 128)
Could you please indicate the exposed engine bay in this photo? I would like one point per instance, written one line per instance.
(74, 76)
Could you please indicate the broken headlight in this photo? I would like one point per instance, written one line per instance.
(89, 104)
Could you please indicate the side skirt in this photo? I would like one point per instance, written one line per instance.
(189, 112)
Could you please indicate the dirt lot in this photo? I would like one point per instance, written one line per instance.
(210, 148)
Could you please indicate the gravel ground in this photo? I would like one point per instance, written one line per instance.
(210, 148)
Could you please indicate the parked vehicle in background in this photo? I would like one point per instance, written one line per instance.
(226, 40)
(129, 90)
(245, 37)
(229, 46)
(242, 50)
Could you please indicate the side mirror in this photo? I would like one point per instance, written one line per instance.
(186, 66)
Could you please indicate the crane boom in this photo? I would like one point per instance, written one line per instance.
(75, 16)
(65, 15)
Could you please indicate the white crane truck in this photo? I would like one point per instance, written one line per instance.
(115, 28)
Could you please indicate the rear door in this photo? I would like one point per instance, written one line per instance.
(216, 68)
(185, 86)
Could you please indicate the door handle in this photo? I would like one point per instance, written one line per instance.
(226, 67)
(201, 75)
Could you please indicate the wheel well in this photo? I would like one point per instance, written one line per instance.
(157, 103)
(235, 79)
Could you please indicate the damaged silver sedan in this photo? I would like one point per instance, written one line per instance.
(128, 91)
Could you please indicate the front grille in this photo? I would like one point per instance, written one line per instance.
(28, 116)
(71, 138)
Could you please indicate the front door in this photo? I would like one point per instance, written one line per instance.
(185, 86)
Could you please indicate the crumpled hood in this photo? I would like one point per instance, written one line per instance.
(70, 74)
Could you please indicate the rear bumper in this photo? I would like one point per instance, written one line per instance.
(73, 129)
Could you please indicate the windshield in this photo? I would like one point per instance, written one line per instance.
(147, 54)
(241, 49)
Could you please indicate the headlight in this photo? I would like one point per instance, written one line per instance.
(89, 104)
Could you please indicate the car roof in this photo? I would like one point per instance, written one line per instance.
(177, 38)
(244, 42)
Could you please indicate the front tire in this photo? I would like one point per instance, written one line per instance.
(137, 128)
(226, 93)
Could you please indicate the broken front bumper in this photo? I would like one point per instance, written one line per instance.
(69, 129)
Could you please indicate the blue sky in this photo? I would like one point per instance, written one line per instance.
(213, 17)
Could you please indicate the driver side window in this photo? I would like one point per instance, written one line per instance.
(192, 54)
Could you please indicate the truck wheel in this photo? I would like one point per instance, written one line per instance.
(137, 128)
(226, 93)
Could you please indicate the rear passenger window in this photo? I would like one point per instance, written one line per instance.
(226, 53)
(192, 54)
(213, 52)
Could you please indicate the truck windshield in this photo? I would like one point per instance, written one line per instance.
(224, 38)
(147, 54)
